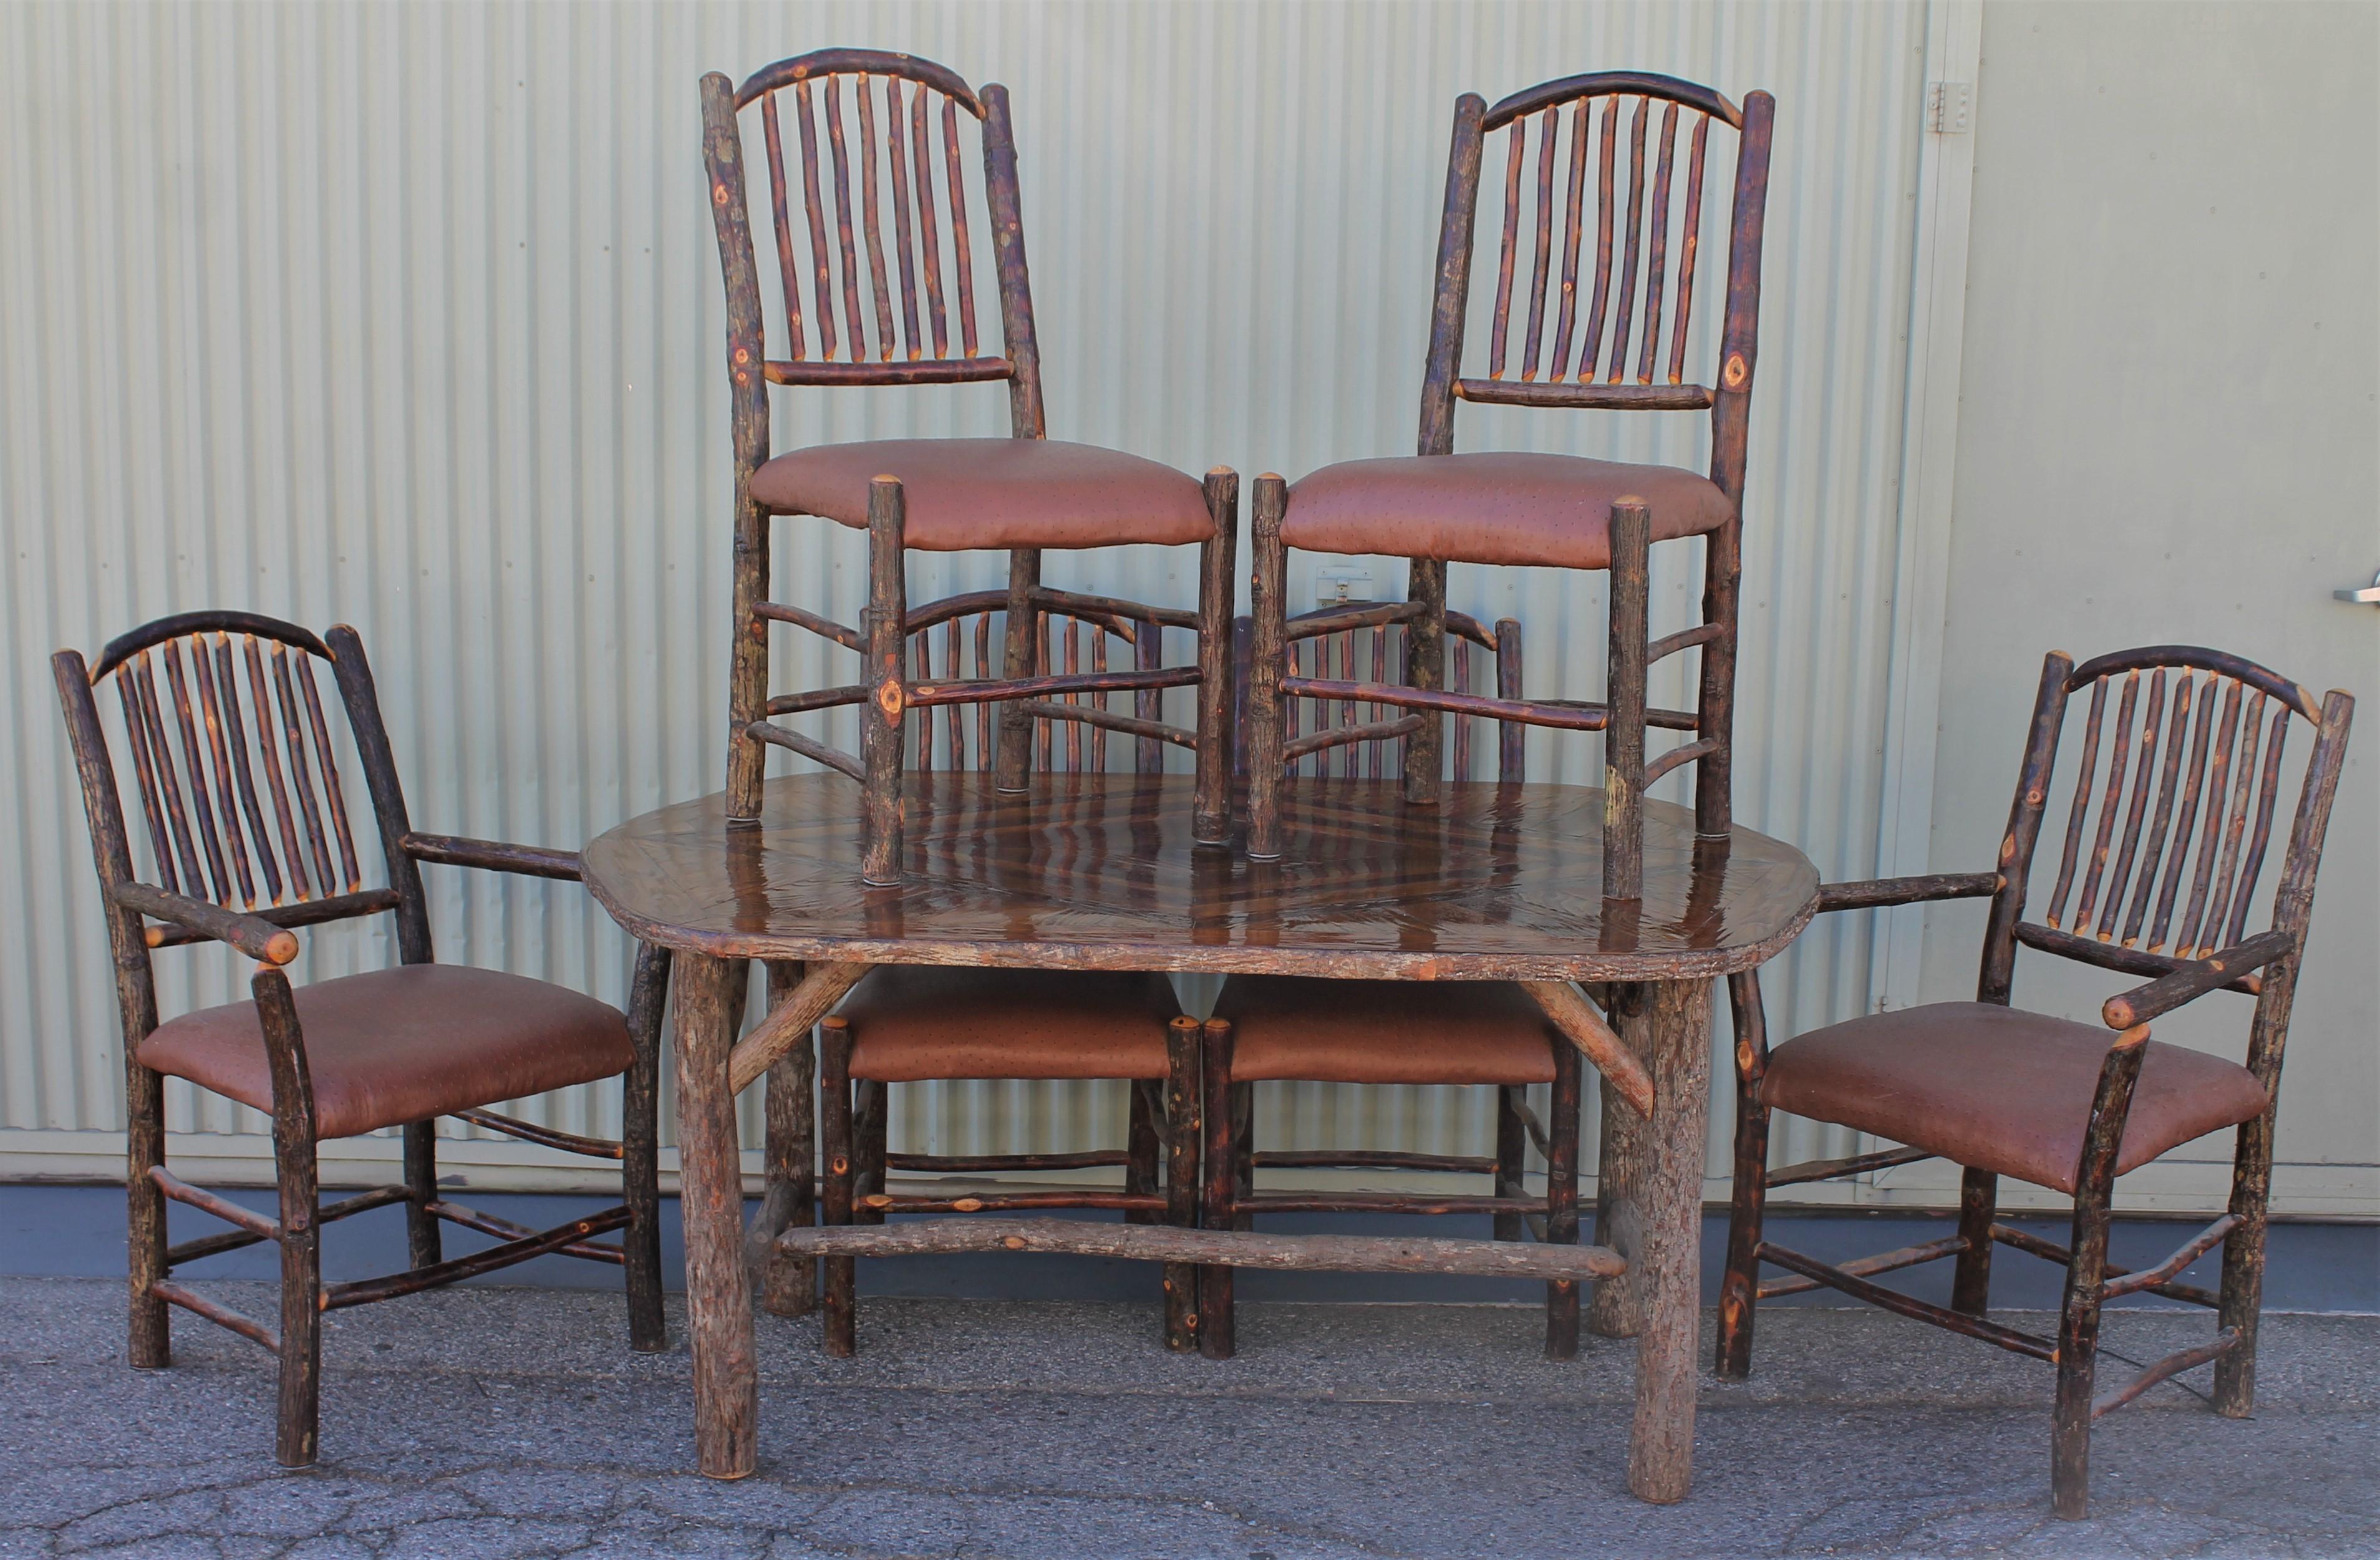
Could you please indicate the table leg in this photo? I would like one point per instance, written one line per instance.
(1668, 1261)
(710, 1192)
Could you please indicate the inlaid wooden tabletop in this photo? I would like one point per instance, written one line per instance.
(1098, 872)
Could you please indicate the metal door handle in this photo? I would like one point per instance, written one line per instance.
(2368, 594)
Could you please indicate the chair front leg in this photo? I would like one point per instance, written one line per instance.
(883, 720)
(1269, 615)
(640, 1103)
(1561, 1198)
(150, 1342)
(298, 1411)
(836, 1143)
(2078, 1321)
(1739, 1290)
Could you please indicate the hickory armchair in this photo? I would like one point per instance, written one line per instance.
(2169, 817)
(235, 764)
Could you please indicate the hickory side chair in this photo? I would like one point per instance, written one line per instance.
(1606, 351)
(1022, 493)
(918, 1024)
(2002, 1092)
(1289, 1028)
(247, 825)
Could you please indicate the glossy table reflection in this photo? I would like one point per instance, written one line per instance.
(1098, 872)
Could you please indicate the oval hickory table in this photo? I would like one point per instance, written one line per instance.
(1099, 872)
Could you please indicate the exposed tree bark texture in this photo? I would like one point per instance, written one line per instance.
(1164, 1243)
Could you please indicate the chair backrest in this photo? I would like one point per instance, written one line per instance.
(1585, 334)
(897, 123)
(2181, 764)
(238, 771)
(1480, 661)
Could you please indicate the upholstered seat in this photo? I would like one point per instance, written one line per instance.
(1315, 1030)
(961, 494)
(1492, 509)
(916, 1022)
(405, 1044)
(1998, 1089)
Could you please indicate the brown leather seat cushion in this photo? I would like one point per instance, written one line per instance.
(1997, 1088)
(405, 1044)
(913, 1022)
(1492, 509)
(959, 494)
(1385, 1031)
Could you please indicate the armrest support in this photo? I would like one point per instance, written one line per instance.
(1877, 892)
(2167, 992)
(253, 935)
(529, 860)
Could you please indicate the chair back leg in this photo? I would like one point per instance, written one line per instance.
(1511, 1156)
(640, 1151)
(149, 1343)
(1211, 811)
(1184, 1052)
(1425, 668)
(1714, 701)
(788, 1286)
(871, 1110)
(1623, 732)
(1267, 717)
(422, 1246)
(1615, 1310)
(1561, 1198)
(1217, 1209)
(1020, 657)
(1143, 1133)
(836, 1143)
(1739, 1289)
(2242, 1295)
(1971, 1280)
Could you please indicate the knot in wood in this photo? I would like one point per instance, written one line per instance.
(889, 698)
(718, 195)
(1736, 371)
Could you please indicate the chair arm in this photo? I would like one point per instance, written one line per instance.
(253, 935)
(2195, 979)
(529, 860)
(1877, 892)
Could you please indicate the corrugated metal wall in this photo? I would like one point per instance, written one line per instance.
(409, 317)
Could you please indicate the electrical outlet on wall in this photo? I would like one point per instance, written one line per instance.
(1333, 586)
